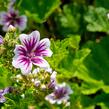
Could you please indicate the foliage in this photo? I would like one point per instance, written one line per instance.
(97, 19)
(38, 10)
(68, 19)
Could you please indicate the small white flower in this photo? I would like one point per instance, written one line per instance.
(35, 71)
(18, 77)
(23, 96)
(53, 75)
(67, 104)
(43, 87)
(48, 69)
(32, 80)
(37, 83)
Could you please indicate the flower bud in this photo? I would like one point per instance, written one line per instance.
(11, 28)
(43, 87)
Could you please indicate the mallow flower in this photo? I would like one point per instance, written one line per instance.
(1, 40)
(31, 52)
(3, 92)
(13, 18)
(60, 94)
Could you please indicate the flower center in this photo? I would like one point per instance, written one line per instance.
(30, 55)
(59, 93)
(12, 18)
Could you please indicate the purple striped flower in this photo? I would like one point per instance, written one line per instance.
(31, 52)
(60, 94)
(1, 40)
(3, 92)
(13, 18)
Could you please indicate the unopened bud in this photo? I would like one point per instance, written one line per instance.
(18, 77)
(11, 28)
(43, 87)
(23, 96)
(37, 83)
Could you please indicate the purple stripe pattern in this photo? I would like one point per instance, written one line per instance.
(60, 94)
(3, 92)
(31, 52)
(13, 18)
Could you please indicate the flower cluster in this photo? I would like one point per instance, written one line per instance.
(13, 18)
(60, 92)
(40, 78)
(45, 80)
(29, 57)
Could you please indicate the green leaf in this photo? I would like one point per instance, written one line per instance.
(3, 5)
(102, 100)
(101, 3)
(73, 63)
(97, 20)
(60, 49)
(97, 64)
(69, 19)
(90, 67)
(39, 10)
(4, 77)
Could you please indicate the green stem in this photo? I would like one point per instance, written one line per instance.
(19, 3)
(10, 100)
